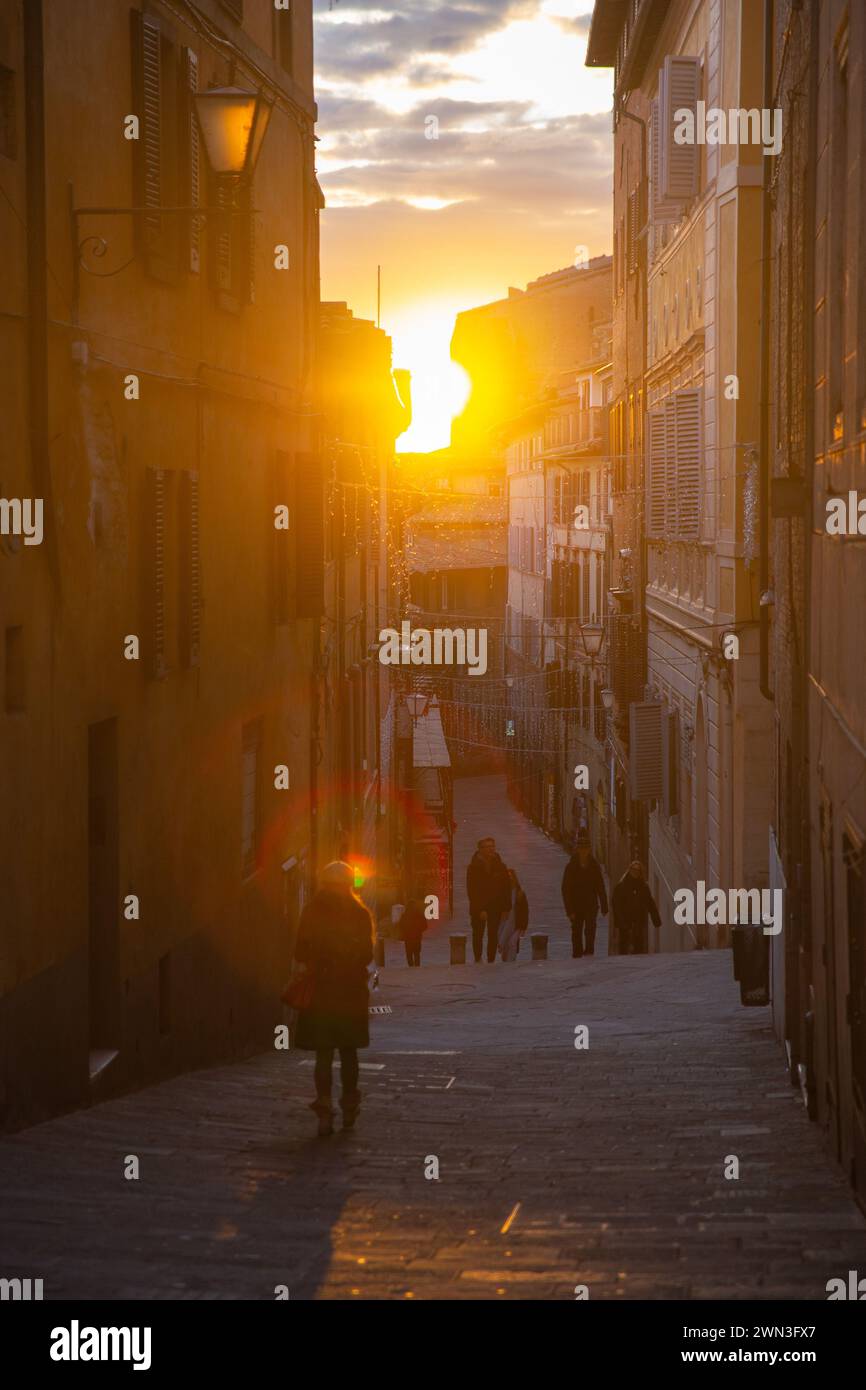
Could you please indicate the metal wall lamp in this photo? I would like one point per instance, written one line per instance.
(233, 124)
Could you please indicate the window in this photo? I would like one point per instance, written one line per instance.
(645, 743)
(166, 156)
(232, 242)
(250, 797)
(679, 164)
(173, 578)
(285, 39)
(674, 465)
(663, 209)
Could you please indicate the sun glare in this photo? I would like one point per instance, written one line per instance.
(421, 335)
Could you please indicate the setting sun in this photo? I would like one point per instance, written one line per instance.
(421, 335)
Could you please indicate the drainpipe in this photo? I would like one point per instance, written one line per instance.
(764, 444)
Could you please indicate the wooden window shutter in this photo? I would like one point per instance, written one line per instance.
(663, 209)
(680, 164)
(685, 407)
(671, 520)
(156, 570)
(193, 153)
(645, 745)
(190, 569)
(147, 99)
(656, 474)
(309, 536)
(222, 235)
(633, 230)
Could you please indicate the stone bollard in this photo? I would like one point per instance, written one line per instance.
(458, 950)
(539, 946)
(379, 950)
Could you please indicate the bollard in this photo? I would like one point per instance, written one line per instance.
(458, 950)
(379, 950)
(539, 946)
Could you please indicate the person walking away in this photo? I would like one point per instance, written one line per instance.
(335, 944)
(488, 889)
(514, 926)
(583, 893)
(413, 925)
(632, 904)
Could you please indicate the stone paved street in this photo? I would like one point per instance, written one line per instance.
(557, 1166)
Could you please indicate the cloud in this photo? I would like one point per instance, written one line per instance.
(514, 183)
(579, 24)
(412, 30)
(507, 161)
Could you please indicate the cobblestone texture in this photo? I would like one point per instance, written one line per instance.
(609, 1162)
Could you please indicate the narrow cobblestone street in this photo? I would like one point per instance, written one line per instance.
(557, 1166)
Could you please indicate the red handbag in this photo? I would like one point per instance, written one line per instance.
(298, 993)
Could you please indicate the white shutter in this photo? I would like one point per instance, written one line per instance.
(655, 472)
(645, 750)
(686, 411)
(680, 164)
(662, 209)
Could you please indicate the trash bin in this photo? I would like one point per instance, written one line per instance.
(458, 950)
(751, 952)
(539, 946)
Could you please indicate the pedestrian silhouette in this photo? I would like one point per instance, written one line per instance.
(488, 889)
(334, 949)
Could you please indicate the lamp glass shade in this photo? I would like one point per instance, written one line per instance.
(607, 698)
(593, 636)
(233, 125)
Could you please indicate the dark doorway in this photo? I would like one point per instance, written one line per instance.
(102, 853)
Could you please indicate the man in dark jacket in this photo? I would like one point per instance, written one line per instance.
(583, 894)
(632, 903)
(488, 889)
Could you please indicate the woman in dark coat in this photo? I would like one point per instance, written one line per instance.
(632, 904)
(413, 924)
(335, 943)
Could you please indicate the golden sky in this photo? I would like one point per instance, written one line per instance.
(518, 178)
